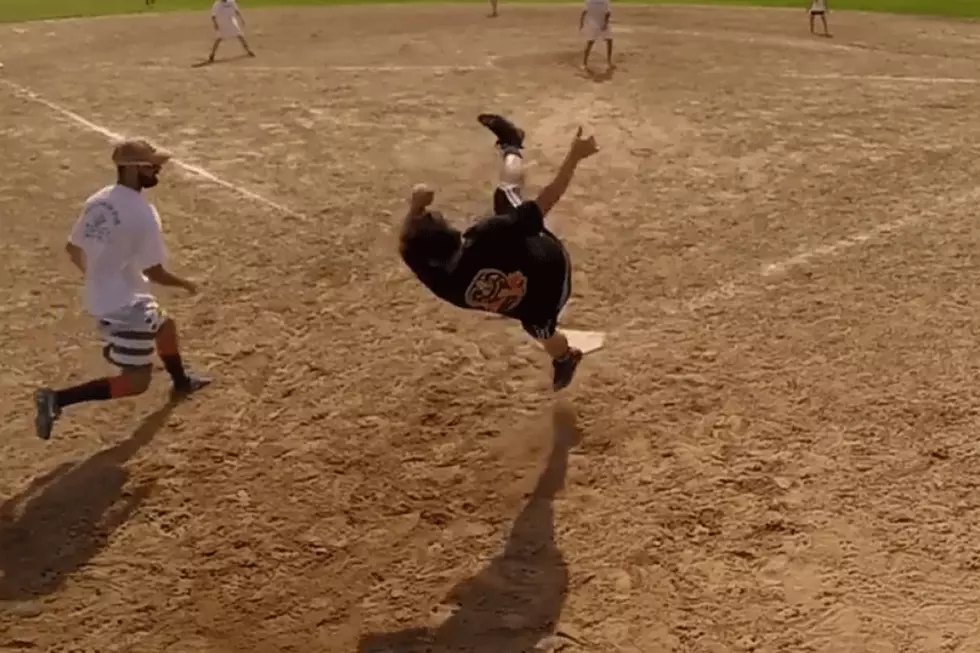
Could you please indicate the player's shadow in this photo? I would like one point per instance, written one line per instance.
(218, 62)
(517, 600)
(65, 517)
(600, 76)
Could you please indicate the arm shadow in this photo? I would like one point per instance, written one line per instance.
(65, 517)
(516, 601)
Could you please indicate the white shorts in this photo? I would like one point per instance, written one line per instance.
(592, 30)
(130, 332)
(229, 29)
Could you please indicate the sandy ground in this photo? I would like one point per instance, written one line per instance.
(776, 451)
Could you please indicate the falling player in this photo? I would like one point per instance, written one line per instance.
(228, 24)
(594, 24)
(819, 8)
(117, 244)
(508, 264)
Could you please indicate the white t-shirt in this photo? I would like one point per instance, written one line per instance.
(596, 10)
(818, 5)
(120, 233)
(224, 11)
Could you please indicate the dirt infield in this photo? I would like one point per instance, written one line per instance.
(776, 452)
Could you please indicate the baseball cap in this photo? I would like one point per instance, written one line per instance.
(138, 151)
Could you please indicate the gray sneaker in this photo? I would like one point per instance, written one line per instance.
(47, 412)
(565, 368)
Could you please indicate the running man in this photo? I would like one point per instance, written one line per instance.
(228, 24)
(593, 23)
(117, 244)
(819, 8)
(509, 263)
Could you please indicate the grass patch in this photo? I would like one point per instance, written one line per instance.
(12, 11)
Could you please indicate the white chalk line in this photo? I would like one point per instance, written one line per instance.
(885, 78)
(727, 291)
(640, 328)
(226, 67)
(192, 169)
(747, 38)
(822, 252)
(800, 43)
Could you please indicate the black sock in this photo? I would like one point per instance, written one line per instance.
(98, 390)
(175, 368)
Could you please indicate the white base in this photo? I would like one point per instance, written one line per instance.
(585, 341)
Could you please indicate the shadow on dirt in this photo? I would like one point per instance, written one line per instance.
(516, 601)
(65, 517)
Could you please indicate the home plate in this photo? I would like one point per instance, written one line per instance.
(585, 341)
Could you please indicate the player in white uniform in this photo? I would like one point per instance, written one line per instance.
(819, 8)
(117, 243)
(228, 24)
(594, 24)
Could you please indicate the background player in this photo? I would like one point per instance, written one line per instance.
(228, 24)
(819, 8)
(594, 25)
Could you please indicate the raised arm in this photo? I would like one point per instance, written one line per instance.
(580, 149)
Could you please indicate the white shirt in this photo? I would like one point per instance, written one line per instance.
(120, 233)
(224, 11)
(596, 10)
(818, 5)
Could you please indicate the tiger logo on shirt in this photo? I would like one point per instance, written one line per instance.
(495, 291)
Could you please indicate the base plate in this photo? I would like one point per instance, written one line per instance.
(585, 341)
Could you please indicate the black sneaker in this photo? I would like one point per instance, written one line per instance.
(190, 385)
(565, 368)
(508, 134)
(47, 412)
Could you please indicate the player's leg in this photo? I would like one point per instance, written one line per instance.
(564, 358)
(588, 51)
(248, 50)
(823, 19)
(167, 343)
(508, 193)
(493, 8)
(813, 22)
(214, 49)
(131, 335)
(609, 51)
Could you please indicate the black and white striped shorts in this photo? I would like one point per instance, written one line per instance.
(130, 332)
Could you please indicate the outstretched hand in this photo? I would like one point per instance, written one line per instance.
(583, 148)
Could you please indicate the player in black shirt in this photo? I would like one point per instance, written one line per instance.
(509, 263)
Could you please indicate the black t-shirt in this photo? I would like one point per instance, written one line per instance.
(510, 264)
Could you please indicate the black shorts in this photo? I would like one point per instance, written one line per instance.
(506, 199)
(817, 13)
(540, 321)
